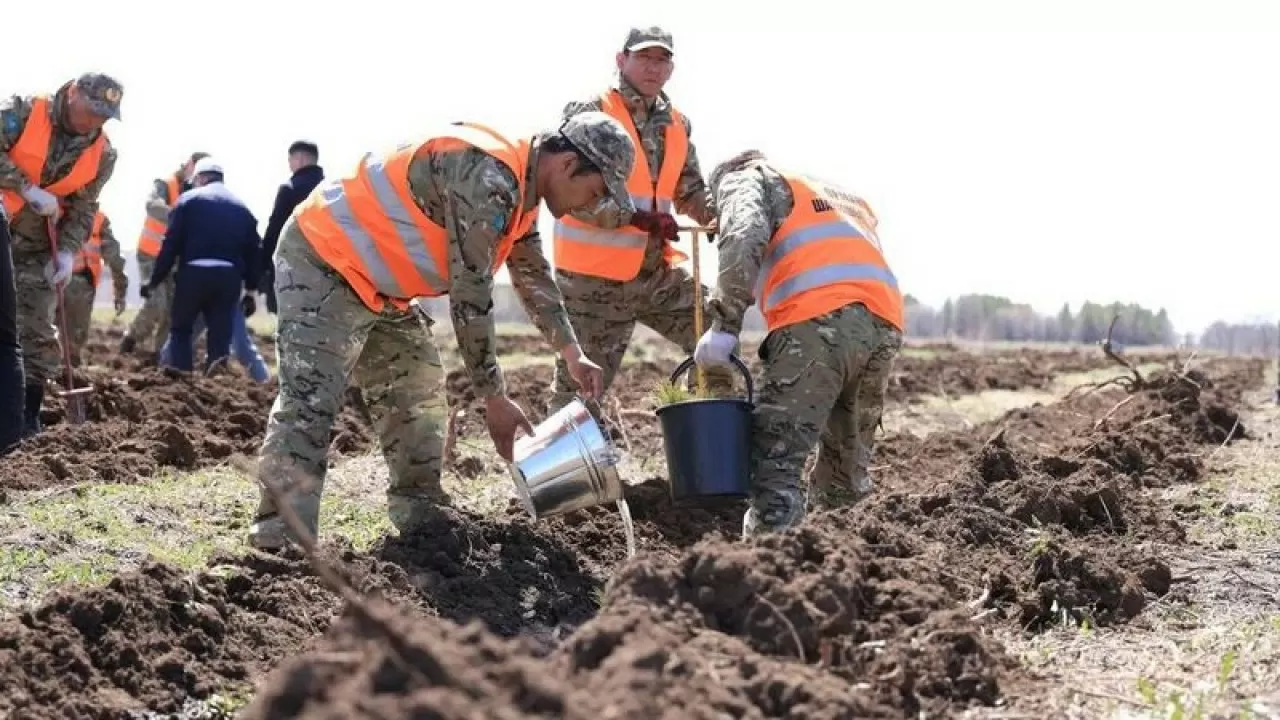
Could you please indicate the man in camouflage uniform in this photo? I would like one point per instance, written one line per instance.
(328, 329)
(825, 377)
(152, 321)
(74, 118)
(604, 312)
(81, 289)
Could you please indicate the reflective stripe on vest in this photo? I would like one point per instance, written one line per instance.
(369, 228)
(30, 153)
(153, 230)
(821, 260)
(618, 254)
(90, 255)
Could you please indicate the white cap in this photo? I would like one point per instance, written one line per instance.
(206, 165)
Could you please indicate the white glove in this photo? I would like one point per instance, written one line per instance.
(714, 349)
(42, 201)
(57, 271)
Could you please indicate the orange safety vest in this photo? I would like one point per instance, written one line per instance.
(32, 150)
(153, 230)
(369, 229)
(90, 256)
(821, 259)
(618, 254)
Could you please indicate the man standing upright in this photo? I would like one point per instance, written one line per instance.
(152, 321)
(215, 239)
(56, 158)
(82, 288)
(304, 163)
(619, 268)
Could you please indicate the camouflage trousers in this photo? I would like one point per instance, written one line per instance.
(824, 384)
(37, 308)
(151, 324)
(324, 334)
(604, 314)
(77, 299)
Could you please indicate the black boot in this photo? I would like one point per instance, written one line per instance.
(35, 398)
(127, 345)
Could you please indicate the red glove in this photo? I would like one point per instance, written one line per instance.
(662, 225)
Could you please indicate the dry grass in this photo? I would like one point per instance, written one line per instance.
(1211, 647)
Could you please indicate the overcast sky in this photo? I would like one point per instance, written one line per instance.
(1047, 151)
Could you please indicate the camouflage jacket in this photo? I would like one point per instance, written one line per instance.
(158, 201)
(113, 260)
(692, 198)
(29, 230)
(754, 201)
(484, 194)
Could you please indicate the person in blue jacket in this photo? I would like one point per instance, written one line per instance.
(213, 241)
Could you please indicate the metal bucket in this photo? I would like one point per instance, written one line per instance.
(567, 464)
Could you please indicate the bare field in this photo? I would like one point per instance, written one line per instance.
(1040, 544)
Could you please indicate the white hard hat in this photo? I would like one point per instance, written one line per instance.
(207, 165)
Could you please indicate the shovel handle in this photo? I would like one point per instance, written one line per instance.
(683, 367)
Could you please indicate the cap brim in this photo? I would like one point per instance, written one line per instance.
(646, 44)
(622, 198)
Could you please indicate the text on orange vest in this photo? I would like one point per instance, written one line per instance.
(822, 259)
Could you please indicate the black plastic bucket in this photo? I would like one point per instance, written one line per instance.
(708, 443)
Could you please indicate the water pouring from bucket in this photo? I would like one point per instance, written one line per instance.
(568, 464)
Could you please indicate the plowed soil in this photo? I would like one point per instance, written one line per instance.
(875, 611)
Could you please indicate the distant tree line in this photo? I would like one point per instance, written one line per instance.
(1241, 339)
(991, 317)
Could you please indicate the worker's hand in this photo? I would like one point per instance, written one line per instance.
(248, 304)
(714, 348)
(588, 375)
(145, 290)
(58, 270)
(42, 201)
(504, 417)
(662, 225)
(120, 305)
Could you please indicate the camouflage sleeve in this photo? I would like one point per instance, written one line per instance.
(111, 255)
(693, 198)
(158, 201)
(14, 111)
(536, 286)
(481, 199)
(82, 205)
(747, 221)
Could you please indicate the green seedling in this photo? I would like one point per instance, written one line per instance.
(670, 393)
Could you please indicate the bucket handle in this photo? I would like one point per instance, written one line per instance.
(737, 362)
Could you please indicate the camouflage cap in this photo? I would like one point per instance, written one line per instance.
(102, 92)
(607, 144)
(653, 36)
